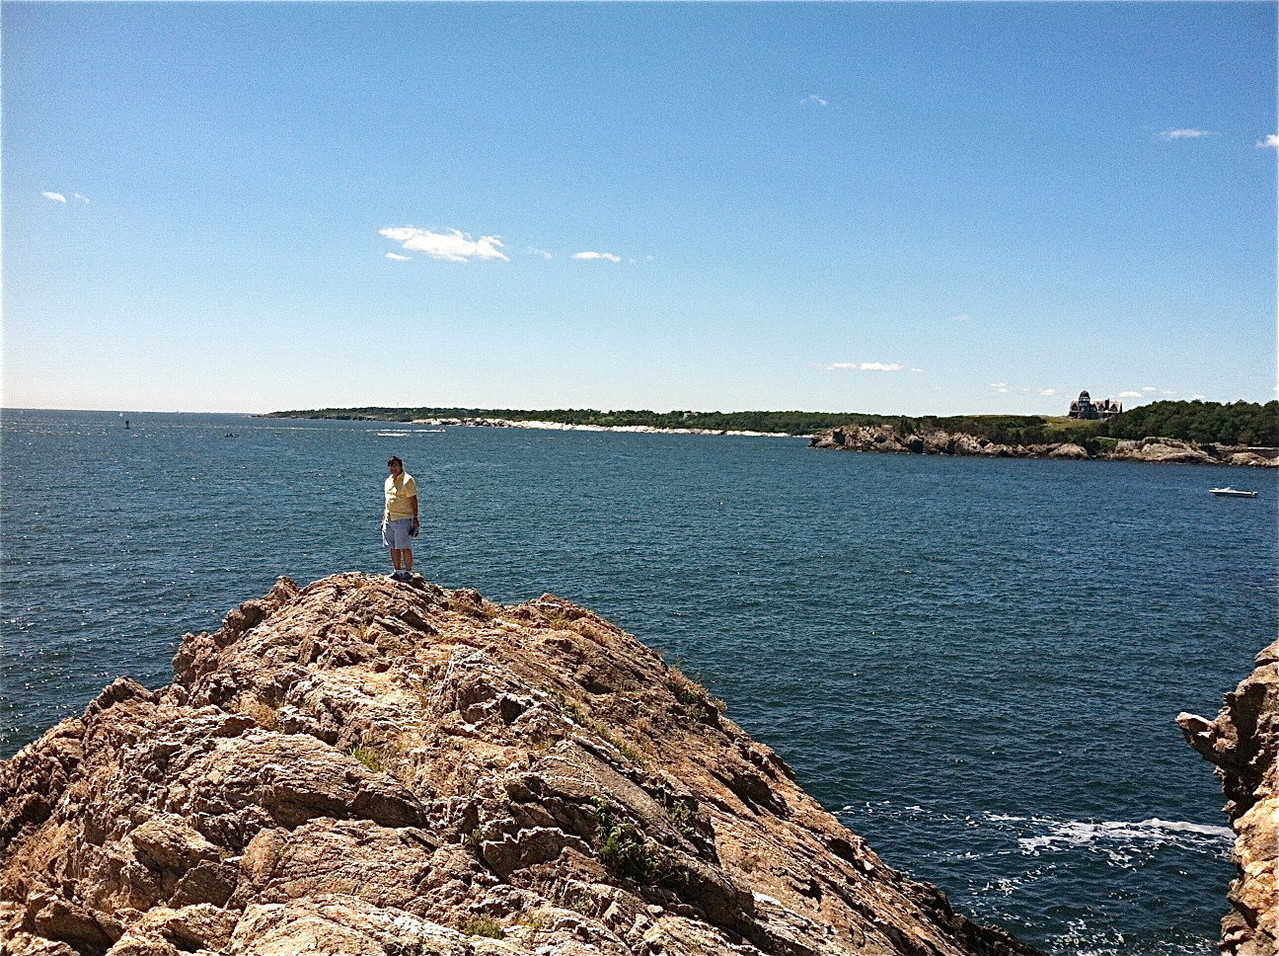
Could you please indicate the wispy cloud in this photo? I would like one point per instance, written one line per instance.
(397, 257)
(961, 318)
(451, 246)
(999, 387)
(1171, 134)
(83, 199)
(864, 367)
(817, 100)
(541, 253)
(1270, 142)
(1046, 391)
(1130, 395)
(589, 256)
(56, 197)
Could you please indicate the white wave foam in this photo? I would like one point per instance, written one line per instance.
(1117, 836)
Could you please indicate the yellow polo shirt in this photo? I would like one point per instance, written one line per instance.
(399, 495)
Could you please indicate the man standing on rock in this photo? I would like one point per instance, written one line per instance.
(399, 521)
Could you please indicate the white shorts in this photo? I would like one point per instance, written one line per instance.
(395, 534)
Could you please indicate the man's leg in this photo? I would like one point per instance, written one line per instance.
(397, 558)
(408, 560)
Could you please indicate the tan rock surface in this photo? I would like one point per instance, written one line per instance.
(1243, 742)
(885, 438)
(367, 767)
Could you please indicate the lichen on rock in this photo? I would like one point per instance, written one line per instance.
(369, 767)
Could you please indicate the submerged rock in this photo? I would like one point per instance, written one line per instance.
(1243, 742)
(367, 767)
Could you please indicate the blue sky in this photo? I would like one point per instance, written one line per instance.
(899, 208)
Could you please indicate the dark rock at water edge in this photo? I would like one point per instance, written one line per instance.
(369, 767)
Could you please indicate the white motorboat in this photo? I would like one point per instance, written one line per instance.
(1233, 493)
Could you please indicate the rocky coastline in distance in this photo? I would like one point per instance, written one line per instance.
(891, 440)
(1194, 432)
(376, 768)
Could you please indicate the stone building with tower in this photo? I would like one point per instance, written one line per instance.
(1085, 407)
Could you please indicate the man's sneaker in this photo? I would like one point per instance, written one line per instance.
(399, 576)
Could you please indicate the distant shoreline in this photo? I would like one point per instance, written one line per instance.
(1242, 433)
(571, 427)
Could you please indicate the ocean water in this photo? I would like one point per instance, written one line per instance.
(975, 664)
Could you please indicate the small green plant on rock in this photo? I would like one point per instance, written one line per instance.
(624, 849)
(473, 841)
(621, 746)
(534, 921)
(371, 757)
(482, 926)
(681, 817)
(559, 620)
(700, 706)
(570, 709)
(686, 695)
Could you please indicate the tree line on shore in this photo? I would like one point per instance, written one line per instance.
(1240, 423)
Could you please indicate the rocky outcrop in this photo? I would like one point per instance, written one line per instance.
(886, 438)
(1243, 743)
(368, 767)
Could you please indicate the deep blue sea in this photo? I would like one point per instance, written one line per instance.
(974, 663)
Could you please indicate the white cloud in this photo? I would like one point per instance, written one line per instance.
(864, 367)
(451, 246)
(608, 256)
(1171, 134)
(961, 318)
(1130, 395)
(56, 197)
(1270, 142)
(1046, 391)
(534, 251)
(397, 257)
(999, 387)
(84, 199)
(1149, 388)
(815, 99)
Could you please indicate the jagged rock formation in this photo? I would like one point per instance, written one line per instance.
(1243, 742)
(367, 767)
(885, 438)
